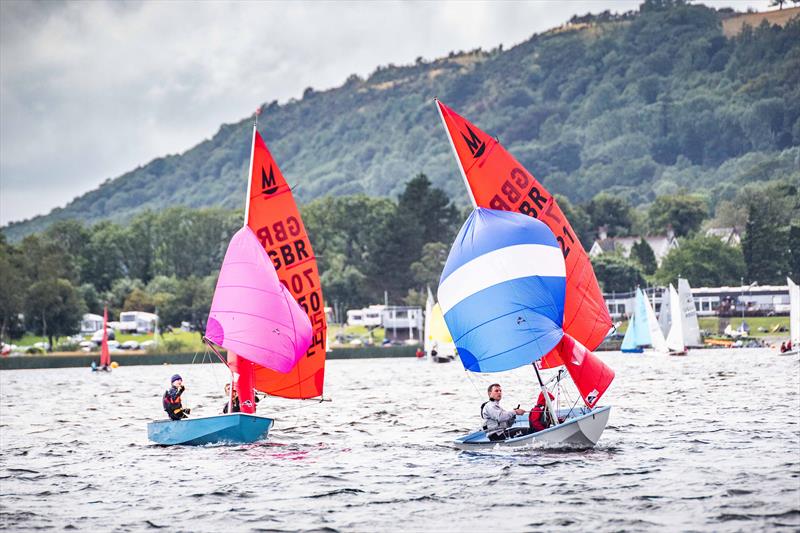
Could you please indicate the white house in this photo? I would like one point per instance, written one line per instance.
(660, 244)
(367, 316)
(729, 236)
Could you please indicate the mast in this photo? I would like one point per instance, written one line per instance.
(455, 153)
(546, 395)
(250, 172)
(244, 368)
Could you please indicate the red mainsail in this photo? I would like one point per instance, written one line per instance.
(495, 179)
(105, 356)
(273, 216)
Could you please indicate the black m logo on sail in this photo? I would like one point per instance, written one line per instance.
(268, 183)
(476, 146)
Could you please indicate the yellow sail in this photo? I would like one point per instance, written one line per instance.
(438, 331)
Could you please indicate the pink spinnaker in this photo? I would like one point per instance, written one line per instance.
(252, 313)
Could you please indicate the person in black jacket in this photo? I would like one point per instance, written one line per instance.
(172, 399)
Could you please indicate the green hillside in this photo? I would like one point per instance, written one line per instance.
(638, 105)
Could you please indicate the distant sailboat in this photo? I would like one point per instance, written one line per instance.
(439, 346)
(691, 326)
(794, 317)
(105, 355)
(643, 328)
(675, 341)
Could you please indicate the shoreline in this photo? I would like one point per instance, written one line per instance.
(75, 360)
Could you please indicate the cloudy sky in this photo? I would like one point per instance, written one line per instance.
(91, 89)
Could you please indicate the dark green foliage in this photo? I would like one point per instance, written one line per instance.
(53, 308)
(636, 105)
(769, 241)
(612, 212)
(704, 261)
(617, 274)
(12, 291)
(643, 255)
(683, 213)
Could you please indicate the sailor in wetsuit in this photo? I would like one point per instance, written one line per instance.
(172, 399)
(497, 419)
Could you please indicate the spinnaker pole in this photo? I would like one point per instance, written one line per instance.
(546, 394)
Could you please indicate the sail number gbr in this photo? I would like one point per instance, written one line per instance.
(273, 235)
(534, 203)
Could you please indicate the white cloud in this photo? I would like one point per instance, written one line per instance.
(89, 90)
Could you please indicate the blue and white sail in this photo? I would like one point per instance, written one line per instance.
(502, 291)
(643, 329)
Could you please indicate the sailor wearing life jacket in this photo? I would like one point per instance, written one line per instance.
(539, 418)
(495, 416)
(172, 399)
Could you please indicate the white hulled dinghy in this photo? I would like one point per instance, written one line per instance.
(502, 292)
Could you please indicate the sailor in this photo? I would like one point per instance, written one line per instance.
(172, 399)
(539, 418)
(235, 401)
(497, 419)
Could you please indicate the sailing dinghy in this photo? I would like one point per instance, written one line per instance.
(105, 354)
(439, 345)
(267, 313)
(794, 317)
(502, 292)
(497, 181)
(675, 338)
(643, 329)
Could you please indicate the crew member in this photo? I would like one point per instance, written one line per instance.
(539, 418)
(172, 399)
(497, 419)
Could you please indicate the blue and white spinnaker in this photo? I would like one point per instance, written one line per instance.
(502, 291)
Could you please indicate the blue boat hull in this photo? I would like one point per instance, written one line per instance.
(234, 428)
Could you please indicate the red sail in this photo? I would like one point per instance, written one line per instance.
(275, 219)
(105, 356)
(496, 180)
(591, 375)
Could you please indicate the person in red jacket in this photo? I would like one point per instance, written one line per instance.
(539, 418)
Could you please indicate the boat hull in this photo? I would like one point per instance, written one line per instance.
(234, 428)
(582, 430)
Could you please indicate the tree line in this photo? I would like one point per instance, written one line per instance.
(369, 247)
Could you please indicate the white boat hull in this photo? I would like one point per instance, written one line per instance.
(582, 429)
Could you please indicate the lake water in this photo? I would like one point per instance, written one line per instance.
(707, 442)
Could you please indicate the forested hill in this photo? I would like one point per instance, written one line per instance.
(638, 105)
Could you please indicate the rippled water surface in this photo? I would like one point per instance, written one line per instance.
(705, 442)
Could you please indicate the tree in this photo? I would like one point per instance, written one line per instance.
(684, 213)
(616, 274)
(431, 208)
(53, 308)
(578, 219)
(765, 246)
(643, 254)
(704, 261)
(428, 269)
(12, 291)
(610, 211)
